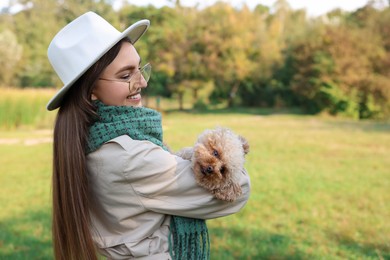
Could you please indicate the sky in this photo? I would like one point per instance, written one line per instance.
(313, 7)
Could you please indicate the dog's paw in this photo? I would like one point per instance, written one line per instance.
(186, 153)
(228, 193)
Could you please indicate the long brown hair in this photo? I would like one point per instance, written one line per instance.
(71, 218)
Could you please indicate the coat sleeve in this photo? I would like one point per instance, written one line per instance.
(165, 183)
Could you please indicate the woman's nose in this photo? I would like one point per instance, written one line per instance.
(143, 82)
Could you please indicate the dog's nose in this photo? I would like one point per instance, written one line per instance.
(207, 170)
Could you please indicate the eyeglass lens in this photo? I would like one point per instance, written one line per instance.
(145, 72)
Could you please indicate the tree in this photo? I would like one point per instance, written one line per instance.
(228, 40)
(10, 54)
(334, 70)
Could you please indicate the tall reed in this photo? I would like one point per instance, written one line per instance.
(25, 108)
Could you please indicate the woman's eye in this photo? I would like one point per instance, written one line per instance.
(127, 76)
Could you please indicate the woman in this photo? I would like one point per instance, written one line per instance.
(116, 188)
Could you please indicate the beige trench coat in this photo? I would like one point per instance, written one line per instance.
(136, 186)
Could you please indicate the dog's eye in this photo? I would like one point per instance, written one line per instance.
(215, 153)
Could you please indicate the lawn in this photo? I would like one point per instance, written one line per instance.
(320, 187)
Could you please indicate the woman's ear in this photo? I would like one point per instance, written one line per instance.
(93, 97)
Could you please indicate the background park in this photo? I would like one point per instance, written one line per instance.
(311, 94)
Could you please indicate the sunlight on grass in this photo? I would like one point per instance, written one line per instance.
(320, 188)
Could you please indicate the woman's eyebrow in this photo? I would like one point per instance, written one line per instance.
(128, 67)
(124, 68)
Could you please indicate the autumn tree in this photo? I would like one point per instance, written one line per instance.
(229, 38)
(10, 54)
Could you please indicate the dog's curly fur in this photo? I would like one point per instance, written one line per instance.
(217, 159)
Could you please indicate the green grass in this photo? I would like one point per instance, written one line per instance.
(25, 198)
(320, 188)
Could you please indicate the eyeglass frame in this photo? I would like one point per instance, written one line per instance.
(141, 70)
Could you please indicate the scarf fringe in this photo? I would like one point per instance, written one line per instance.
(189, 239)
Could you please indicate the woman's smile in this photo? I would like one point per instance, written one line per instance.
(135, 97)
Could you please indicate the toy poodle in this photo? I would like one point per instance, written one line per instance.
(217, 158)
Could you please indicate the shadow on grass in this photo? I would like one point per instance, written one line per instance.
(364, 125)
(252, 244)
(26, 237)
(363, 250)
(232, 243)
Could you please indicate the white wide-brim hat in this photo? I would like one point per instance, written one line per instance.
(80, 44)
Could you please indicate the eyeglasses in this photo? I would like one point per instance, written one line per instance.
(136, 77)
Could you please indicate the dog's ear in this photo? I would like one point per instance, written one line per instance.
(245, 144)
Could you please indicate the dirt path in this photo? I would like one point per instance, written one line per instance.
(42, 136)
(25, 141)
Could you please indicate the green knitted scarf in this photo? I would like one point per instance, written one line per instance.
(189, 237)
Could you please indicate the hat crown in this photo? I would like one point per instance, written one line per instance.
(74, 47)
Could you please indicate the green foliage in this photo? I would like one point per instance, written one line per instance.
(274, 57)
(339, 103)
(10, 54)
(200, 105)
(326, 71)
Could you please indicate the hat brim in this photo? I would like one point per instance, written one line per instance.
(134, 32)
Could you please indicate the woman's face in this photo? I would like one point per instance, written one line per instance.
(113, 88)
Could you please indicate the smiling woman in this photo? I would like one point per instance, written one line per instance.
(116, 187)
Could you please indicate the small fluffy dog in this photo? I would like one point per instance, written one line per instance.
(217, 159)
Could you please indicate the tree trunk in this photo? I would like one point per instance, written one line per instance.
(233, 93)
(195, 94)
(180, 97)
